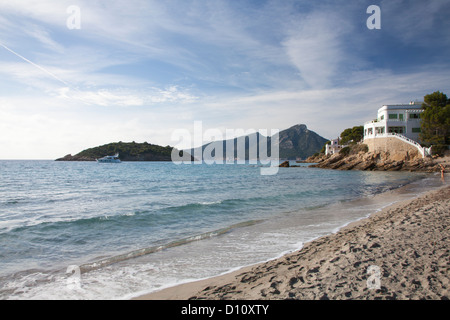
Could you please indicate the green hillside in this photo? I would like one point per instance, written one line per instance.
(128, 151)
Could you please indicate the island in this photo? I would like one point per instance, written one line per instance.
(128, 151)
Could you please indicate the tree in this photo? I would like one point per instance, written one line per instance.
(436, 98)
(354, 135)
(435, 125)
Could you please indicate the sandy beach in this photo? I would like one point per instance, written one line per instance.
(401, 252)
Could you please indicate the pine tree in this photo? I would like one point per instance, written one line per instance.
(435, 126)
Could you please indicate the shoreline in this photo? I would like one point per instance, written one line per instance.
(306, 273)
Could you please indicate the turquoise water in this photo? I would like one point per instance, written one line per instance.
(135, 227)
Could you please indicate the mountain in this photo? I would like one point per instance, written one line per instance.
(299, 142)
(251, 143)
(295, 142)
(128, 151)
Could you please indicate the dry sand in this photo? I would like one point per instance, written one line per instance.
(408, 243)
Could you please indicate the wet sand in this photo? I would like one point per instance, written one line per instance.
(401, 252)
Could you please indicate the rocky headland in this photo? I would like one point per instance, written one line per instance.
(358, 158)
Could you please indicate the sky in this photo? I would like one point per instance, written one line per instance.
(81, 73)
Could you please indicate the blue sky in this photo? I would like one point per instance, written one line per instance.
(138, 70)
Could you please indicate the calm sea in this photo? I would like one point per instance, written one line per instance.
(84, 230)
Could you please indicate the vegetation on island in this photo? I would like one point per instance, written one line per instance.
(128, 151)
(435, 124)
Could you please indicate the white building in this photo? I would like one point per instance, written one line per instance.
(394, 123)
(333, 147)
(402, 119)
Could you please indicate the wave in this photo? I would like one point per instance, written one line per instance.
(208, 203)
(156, 214)
(153, 249)
(14, 201)
(149, 215)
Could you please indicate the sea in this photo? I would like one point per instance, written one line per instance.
(87, 230)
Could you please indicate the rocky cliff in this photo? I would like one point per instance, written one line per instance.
(376, 161)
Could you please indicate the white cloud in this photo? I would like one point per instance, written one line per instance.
(101, 97)
(171, 94)
(128, 97)
(315, 47)
(44, 38)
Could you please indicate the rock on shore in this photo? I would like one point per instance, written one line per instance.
(376, 161)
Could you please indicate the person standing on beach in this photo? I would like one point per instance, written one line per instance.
(442, 171)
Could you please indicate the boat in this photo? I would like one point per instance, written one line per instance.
(109, 159)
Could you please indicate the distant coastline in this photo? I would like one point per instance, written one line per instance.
(296, 142)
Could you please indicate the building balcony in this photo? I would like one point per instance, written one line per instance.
(391, 121)
(370, 122)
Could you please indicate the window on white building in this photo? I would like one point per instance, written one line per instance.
(396, 130)
(380, 130)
